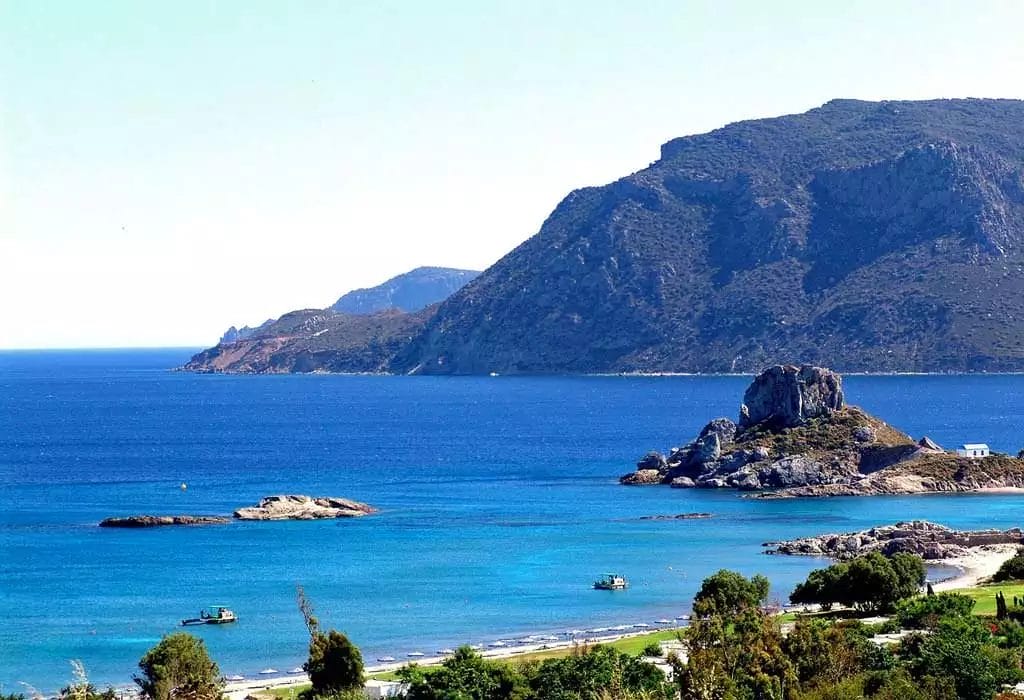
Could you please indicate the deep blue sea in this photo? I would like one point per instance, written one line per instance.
(498, 497)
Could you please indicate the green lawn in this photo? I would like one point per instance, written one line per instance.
(985, 596)
(283, 693)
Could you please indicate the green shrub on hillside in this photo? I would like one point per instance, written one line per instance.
(926, 612)
(1011, 570)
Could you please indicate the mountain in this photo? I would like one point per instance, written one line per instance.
(859, 235)
(316, 340)
(411, 291)
(864, 236)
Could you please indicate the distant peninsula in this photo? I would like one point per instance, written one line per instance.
(863, 236)
(797, 437)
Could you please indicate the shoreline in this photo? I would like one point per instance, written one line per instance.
(238, 690)
(977, 566)
(974, 568)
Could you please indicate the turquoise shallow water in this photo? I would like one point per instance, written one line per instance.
(498, 496)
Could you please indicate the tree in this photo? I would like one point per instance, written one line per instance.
(871, 582)
(178, 667)
(734, 647)
(596, 671)
(334, 665)
(465, 675)
(961, 649)
(728, 592)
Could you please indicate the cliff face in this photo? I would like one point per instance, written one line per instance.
(862, 236)
(412, 291)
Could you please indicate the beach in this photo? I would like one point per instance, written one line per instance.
(978, 565)
(238, 690)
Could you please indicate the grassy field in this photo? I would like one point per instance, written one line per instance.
(985, 596)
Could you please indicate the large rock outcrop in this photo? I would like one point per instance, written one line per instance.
(925, 539)
(794, 430)
(295, 507)
(797, 437)
(786, 396)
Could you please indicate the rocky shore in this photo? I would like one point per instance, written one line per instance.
(796, 436)
(927, 540)
(287, 507)
(131, 521)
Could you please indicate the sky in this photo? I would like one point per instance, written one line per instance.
(170, 169)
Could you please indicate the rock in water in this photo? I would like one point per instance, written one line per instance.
(162, 520)
(925, 539)
(294, 507)
(786, 396)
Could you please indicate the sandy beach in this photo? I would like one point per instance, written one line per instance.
(979, 564)
(238, 690)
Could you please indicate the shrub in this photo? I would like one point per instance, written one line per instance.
(926, 612)
(1011, 570)
(652, 649)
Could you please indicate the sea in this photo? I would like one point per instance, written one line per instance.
(498, 497)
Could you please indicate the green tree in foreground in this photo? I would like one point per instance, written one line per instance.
(335, 665)
(178, 667)
(871, 582)
(727, 592)
(1011, 570)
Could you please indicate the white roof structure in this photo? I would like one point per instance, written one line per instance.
(974, 446)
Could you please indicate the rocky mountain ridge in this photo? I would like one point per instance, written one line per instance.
(410, 292)
(865, 236)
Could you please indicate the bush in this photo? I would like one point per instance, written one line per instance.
(1011, 570)
(652, 649)
(926, 612)
(178, 667)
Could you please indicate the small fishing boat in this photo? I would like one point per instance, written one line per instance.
(385, 659)
(213, 615)
(446, 652)
(664, 621)
(297, 669)
(415, 654)
(611, 582)
(268, 671)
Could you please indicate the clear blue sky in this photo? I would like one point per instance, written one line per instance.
(169, 169)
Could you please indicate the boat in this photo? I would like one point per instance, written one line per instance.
(213, 615)
(235, 677)
(611, 582)
(415, 654)
(298, 669)
(385, 659)
(446, 652)
(268, 671)
(664, 621)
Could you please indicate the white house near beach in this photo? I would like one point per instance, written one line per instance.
(974, 450)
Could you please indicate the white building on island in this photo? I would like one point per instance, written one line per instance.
(974, 450)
